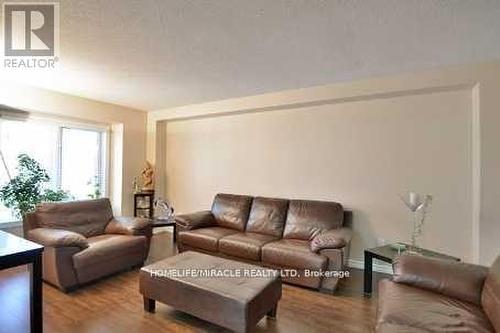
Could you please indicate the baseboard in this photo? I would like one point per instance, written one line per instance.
(13, 224)
(377, 267)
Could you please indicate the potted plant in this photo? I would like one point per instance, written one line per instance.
(28, 188)
(95, 187)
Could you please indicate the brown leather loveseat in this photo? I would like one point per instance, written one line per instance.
(303, 235)
(432, 295)
(84, 241)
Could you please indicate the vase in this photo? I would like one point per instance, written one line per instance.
(417, 205)
(413, 248)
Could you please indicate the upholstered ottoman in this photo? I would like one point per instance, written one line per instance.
(225, 292)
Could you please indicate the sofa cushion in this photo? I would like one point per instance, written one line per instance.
(57, 238)
(331, 239)
(88, 218)
(231, 211)
(403, 308)
(307, 218)
(491, 294)
(448, 277)
(244, 245)
(292, 253)
(267, 216)
(105, 248)
(205, 238)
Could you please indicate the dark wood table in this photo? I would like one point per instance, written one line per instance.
(388, 254)
(157, 222)
(16, 251)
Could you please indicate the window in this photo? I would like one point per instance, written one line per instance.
(82, 169)
(74, 158)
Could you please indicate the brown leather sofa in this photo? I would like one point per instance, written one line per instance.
(304, 235)
(431, 295)
(84, 241)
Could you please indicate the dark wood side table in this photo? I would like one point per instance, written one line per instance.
(387, 254)
(144, 204)
(17, 251)
(165, 223)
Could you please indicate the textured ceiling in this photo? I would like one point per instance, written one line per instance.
(152, 54)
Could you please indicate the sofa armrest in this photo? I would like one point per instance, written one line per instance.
(451, 278)
(331, 239)
(195, 220)
(57, 238)
(129, 226)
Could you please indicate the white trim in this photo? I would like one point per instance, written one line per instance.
(12, 224)
(69, 123)
(57, 120)
(116, 180)
(476, 172)
(212, 109)
(377, 267)
(106, 161)
(59, 157)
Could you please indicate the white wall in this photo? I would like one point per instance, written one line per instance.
(359, 143)
(128, 126)
(361, 154)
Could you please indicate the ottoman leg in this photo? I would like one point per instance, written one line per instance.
(272, 313)
(149, 304)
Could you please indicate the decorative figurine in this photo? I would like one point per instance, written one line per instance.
(163, 209)
(148, 178)
(135, 185)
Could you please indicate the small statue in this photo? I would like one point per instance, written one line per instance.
(135, 185)
(148, 178)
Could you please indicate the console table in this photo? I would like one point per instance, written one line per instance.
(16, 251)
(388, 254)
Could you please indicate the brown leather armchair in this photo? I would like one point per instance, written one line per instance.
(304, 235)
(432, 295)
(84, 241)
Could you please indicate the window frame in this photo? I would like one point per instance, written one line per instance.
(104, 152)
(103, 155)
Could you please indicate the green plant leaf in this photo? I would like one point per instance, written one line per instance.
(26, 190)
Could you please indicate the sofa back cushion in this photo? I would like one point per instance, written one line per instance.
(307, 218)
(231, 211)
(491, 295)
(88, 218)
(267, 216)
